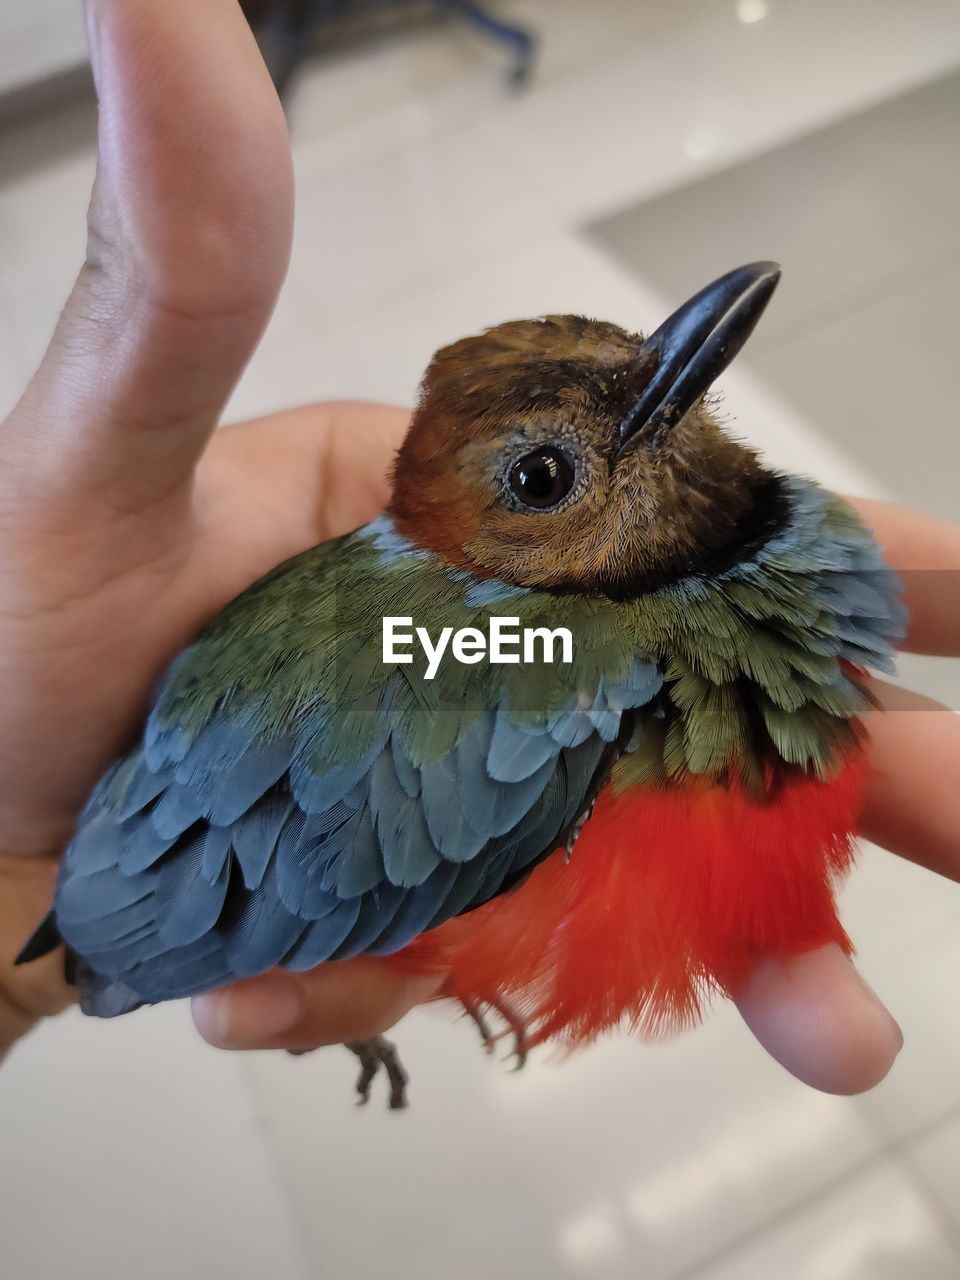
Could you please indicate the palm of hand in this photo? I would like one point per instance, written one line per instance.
(123, 598)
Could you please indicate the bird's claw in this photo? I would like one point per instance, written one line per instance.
(516, 1026)
(374, 1054)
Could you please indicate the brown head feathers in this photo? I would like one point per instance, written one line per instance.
(513, 468)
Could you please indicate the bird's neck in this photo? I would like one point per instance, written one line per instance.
(758, 664)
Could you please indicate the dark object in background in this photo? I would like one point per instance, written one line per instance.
(290, 32)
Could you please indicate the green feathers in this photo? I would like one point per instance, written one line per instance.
(757, 663)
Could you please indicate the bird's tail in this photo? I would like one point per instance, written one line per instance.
(100, 996)
(44, 939)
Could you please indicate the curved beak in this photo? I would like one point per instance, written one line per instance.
(696, 344)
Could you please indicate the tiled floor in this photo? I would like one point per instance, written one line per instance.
(860, 214)
(431, 203)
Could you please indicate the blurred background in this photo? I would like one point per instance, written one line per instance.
(457, 167)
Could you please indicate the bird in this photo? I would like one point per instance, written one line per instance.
(606, 839)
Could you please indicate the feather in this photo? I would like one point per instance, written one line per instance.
(377, 910)
(132, 787)
(176, 811)
(186, 971)
(315, 792)
(217, 749)
(320, 939)
(255, 837)
(498, 807)
(409, 855)
(447, 824)
(108, 999)
(407, 775)
(109, 928)
(240, 787)
(258, 932)
(188, 905)
(516, 753)
(97, 843)
(142, 846)
(418, 908)
(103, 893)
(216, 849)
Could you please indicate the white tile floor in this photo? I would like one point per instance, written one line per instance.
(431, 203)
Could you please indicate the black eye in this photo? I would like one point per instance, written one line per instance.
(543, 478)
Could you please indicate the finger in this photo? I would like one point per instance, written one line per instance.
(926, 553)
(817, 1017)
(27, 992)
(346, 1000)
(912, 796)
(334, 456)
(189, 237)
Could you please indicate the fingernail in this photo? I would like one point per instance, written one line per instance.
(246, 1016)
(880, 1005)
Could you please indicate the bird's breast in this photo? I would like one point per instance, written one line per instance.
(670, 894)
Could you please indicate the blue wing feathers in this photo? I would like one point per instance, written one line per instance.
(407, 775)
(176, 810)
(188, 904)
(204, 858)
(417, 909)
(98, 843)
(264, 936)
(113, 927)
(90, 897)
(452, 834)
(409, 854)
(142, 846)
(133, 785)
(351, 861)
(498, 807)
(516, 752)
(255, 839)
(376, 912)
(241, 786)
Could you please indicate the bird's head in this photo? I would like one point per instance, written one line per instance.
(567, 453)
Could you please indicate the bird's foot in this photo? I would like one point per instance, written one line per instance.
(517, 1026)
(374, 1054)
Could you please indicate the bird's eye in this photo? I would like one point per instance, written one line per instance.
(543, 478)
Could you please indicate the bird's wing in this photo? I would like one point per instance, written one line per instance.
(246, 838)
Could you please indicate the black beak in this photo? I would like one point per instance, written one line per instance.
(696, 344)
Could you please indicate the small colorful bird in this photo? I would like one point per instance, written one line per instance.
(577, 844)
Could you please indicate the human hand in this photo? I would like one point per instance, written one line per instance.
(119, 539)
(814, 1014)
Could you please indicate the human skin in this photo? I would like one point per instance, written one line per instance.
(125, 523)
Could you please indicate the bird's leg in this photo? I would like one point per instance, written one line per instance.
(374, 1054)
(474, 1010)
(516, 1026)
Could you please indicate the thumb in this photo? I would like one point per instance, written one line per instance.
(347, 1000)
(818, 1018)
(189, 234)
